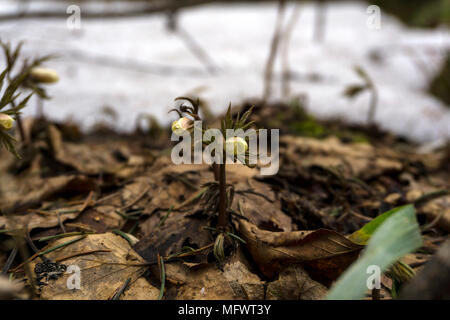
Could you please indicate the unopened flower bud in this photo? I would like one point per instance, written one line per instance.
(44, 75)
(6, 121)
(182, 125)
(236, 146)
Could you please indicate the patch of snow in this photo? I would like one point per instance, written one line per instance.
(135, 65)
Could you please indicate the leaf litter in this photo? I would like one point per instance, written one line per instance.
(144, 231)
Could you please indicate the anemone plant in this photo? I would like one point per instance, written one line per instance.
(29, 76)
(218, 195)
(8, 115)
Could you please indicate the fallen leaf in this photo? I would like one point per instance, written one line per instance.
(327, 252)
(233, 281)
(294, 283)
(102, 273)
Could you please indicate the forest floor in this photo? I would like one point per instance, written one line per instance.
(135, 224)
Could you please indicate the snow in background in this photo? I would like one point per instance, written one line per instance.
(135, 65)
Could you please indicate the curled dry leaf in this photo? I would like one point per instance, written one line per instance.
(101, 273)
(323, 252)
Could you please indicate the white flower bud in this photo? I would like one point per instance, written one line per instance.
(236, 146)
(182, 125)
(44, 75)
(6, 121)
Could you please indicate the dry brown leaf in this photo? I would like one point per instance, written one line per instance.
(208, 282)
(33, 220)
(438, 212)
(294, 283)
(11, 289)
(33, 191)
(259, 204)
(102, 273)
(361, 160)
(86, 158)
(141, 289)
(326, 252)
(177, 232)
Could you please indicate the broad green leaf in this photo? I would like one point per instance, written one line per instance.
(363, 235)
(397, 235)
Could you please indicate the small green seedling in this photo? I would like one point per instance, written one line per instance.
(218, 196)
(368, 85)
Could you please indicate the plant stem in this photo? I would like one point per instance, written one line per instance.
(19, 125)
(40, 108)
(376, 294)
(215, 169)
(223, 219)
(373, 105)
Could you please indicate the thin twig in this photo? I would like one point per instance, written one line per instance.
(286, 73)
(162, 276)
(81, 254)
(121, 290)
(61, 225)
(10, 260)
(273, 51)
(60, 246)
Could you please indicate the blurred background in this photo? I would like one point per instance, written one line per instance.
(121, 60)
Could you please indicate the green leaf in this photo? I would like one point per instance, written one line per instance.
(353, 90)
(361, 73)
(394, 237)
(2, 77)
(363, 235)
